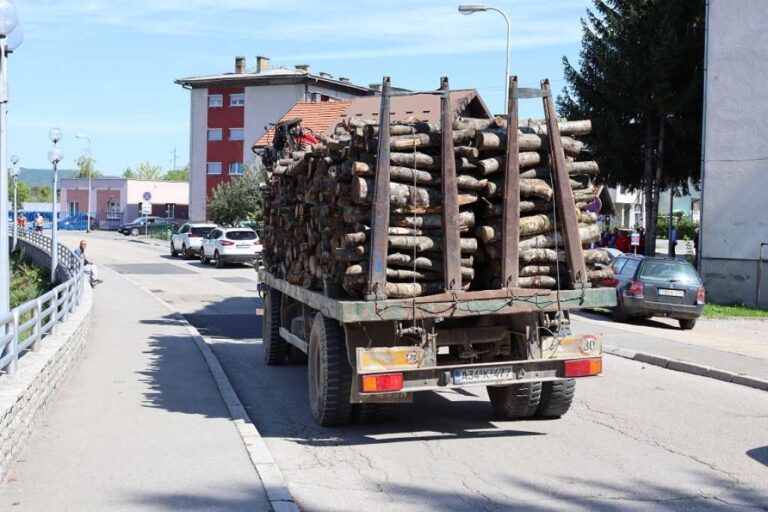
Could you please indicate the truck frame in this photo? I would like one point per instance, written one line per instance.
(364, 354)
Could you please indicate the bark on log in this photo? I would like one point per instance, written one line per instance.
(427, 243)
(540, 126)
(353, 214)
(529, 188)
(405, 196)
(497, 140)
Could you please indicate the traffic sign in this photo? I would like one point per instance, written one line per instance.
(146, 208)
(635, 239)
(147, 196)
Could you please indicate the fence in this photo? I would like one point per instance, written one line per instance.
(26, 326)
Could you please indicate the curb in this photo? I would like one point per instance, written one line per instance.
(278, 494)
(686, 367)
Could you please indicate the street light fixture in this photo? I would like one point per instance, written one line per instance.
(90, 184)
(8, 21)
(468, 9)
(55, 155)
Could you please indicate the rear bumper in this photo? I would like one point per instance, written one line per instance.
(242, 258)
(638, 307)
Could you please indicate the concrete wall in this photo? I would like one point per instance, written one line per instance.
(25, 395)
(264, 105)
(735, 195)
(198, 130)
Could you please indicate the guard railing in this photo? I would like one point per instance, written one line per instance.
(26, 326)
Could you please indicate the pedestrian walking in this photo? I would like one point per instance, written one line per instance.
(673, 242)
(88, 266)
(21, 222)
(38, 223)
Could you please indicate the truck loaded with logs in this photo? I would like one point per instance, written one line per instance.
(412, 255)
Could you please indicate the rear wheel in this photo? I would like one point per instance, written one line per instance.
(556, 398)
(329, 373)
(515, 401)
(185, 252)
(217, 257)
(617, 313)
(135, 232)
(687, 325)
(174, 252)
(203, 259)
(275, 347)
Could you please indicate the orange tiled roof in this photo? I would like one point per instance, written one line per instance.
(318, 116)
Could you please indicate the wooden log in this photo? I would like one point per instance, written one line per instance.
(574, 169)
(354, 214)
(496, 163)
(431, 262)
(415, 160)
(529, 188)
(410, 176)
(472, 122)
(429, 243)
(551, 240)
(405, 196)
(405, 274)
(497, 140)
(591, 256)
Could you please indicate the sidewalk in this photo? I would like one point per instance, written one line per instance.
(138, 425)
(737, 346)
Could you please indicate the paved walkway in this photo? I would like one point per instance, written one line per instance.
(138, 425)
(735, 345)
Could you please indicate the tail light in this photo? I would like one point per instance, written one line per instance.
(611, 281)
(635, 290)
(227, 242)
(583, 367)
(193, 235)
(382, 383)
(701, 296)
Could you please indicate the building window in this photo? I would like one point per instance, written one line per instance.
(74, 207)
(215, 100)
(214, 134)
(170, 210)
(214, 168)
(113, 210)
(237, 100)
(236, 168)
(236, 134)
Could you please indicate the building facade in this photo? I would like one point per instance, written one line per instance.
(226, 110)
(118, 200)
(734, 217)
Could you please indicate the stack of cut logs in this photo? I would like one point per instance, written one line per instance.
(317, 207)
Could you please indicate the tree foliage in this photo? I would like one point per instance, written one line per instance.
(86, 167)
(23, 193)
(237, 200)
(145, 171)
(639, 80)
(40, 194)
(181, 174)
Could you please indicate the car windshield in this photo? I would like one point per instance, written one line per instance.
(669, 271)
(138, 220)
(201, 231)
(241, 235)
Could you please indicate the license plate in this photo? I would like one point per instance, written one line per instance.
(671, 293)
(472, 375)
(242, 246)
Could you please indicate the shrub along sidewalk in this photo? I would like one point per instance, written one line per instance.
(27, 281)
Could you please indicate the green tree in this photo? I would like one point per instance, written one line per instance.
(147, 171)
(23, 193)
(237, 200)
(86, 167)
(181, 174)
(639, 80)
(129, 174)
(41, 194)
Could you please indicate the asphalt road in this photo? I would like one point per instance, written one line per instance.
(638, 438)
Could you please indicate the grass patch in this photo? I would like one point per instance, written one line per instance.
(27, 281)
(735, 311)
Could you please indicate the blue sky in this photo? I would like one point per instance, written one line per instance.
(105, 68)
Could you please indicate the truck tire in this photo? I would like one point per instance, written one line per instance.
(515, 401)
(275, 347)
(687, 325)
(329, 374)
(370, 413)
(556, 398)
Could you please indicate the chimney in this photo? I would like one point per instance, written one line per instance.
(303, 67)
(343, 79)
(262, 63)
(325, 75)
(239, 65)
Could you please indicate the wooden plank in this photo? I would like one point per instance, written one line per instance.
(450, 206)
(566, 212)
(377, 279)
(510, 230)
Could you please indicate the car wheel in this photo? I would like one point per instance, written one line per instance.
(217, 257)
(135, 232)
(174, 252)
(687, 325)
(185, 252)
(203, 259)
(617, 313)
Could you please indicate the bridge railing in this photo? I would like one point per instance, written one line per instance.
(27, 325)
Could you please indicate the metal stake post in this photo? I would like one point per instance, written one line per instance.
(5, 261)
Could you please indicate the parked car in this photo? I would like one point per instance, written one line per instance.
(76, 222)
(189, 239)
(649, 286)
(138, 226)
(230, 245)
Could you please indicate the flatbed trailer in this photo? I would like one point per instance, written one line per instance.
(363, 354)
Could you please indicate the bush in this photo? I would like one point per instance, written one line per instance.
(686, 228)
(27, 281)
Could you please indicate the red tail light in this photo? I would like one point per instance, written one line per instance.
(701, 296)
(227, 242)
(382, 383)
(583, 367)
(193, 235)
(611, 281)
(635, 290)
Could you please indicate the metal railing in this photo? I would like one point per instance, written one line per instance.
(26, 326)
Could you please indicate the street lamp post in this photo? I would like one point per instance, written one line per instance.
(90, 184)
(55, 156)
(14, 173)
(468, 9)
(8, 22)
